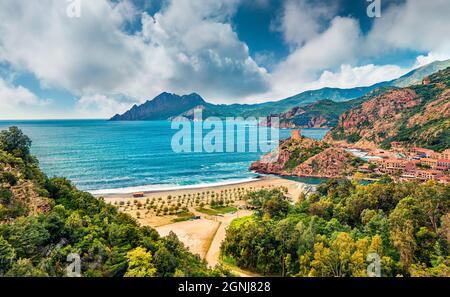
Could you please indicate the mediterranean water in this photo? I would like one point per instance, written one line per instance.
(121, 157)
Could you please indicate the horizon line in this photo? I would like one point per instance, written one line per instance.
(53, 119)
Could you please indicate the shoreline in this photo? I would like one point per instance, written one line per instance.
(201, 232)
(294, 189)
(258, 182)
(152, 189)
(152, 208)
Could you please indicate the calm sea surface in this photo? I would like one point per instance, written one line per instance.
(126, 156)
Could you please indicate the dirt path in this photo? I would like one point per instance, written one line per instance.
(212, 256)
(196, 235)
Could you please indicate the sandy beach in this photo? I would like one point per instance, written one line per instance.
(203, 235)
(294, 188)
(191, 198)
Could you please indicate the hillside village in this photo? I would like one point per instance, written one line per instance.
(406, 164)
(402, 163)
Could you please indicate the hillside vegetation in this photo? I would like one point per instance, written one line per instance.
(44, 220)
(416, 76)
(331, 233)
(418, 115)
(324, 113)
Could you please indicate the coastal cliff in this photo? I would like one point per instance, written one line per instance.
(416, 115)
(331, 163)
(307, 157)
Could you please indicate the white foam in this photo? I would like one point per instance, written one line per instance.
(361, 154)
(159, 188)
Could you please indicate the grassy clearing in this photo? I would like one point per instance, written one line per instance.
(207, 211)
(183, 216)
(218, 210)
(224, 209)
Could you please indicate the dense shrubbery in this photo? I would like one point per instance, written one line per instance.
(331, 232)
(15, 142)
(10, 178)
(109, 243)
(302, 151)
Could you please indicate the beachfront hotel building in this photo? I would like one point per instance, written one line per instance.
(410, 169)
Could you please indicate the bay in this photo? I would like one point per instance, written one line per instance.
(100, 154)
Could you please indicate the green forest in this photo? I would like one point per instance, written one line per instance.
(44, 220)
(331, 232)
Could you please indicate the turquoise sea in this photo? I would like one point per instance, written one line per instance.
(129, 156)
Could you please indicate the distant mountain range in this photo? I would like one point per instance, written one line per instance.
(324, 102)
(416, 76)
(325, 113)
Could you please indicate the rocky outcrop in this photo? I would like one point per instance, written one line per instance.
(288, 155)
(331, 163)
(306, 157)
(386, 107)
(303, 119)
(25, 195)
(377, 115)
(318, 122)
(272, 163)
(433, 110)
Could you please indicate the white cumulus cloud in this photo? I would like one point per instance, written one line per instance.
(367, 75)
(13, 98)
(100, 106)
(337, 54)
(187, 46)
(335, 46)
(192, 46)
(302, 20)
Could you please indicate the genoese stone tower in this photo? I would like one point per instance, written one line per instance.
(296, 134)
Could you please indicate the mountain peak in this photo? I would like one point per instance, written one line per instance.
(162, 107)
(165, 94)
(194, 94)
(194, 98)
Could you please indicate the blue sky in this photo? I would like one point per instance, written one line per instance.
(122, 52)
